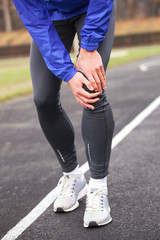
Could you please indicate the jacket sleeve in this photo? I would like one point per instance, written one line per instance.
(96, 23)
(35, 16)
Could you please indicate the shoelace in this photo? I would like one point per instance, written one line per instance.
(95, 200)
(67, 186)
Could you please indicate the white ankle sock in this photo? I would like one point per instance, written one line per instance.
(98, 183)
(76, 171)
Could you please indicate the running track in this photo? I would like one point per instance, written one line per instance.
(29, 170)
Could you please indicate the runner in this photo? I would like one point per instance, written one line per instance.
(53, 25)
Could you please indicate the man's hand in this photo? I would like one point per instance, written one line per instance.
(83, 97)
(90, 63)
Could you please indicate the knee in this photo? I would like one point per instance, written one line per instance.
(43, 102)
(101, 104)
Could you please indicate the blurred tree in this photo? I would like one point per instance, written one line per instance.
(6, 14)
(129, 9)
(126, 9)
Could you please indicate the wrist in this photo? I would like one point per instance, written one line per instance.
(83, 51)
(74, 76)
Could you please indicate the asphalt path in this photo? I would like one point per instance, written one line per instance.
(29, 168)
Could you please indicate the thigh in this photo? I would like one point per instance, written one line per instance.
(46, 85)
(66, 31)
(105, 47)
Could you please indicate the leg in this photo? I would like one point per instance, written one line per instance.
(53, 120)
(58, 131)
(97, 131)
(98, 124)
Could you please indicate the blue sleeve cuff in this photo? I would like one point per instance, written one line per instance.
(89, 47)
(70, 75)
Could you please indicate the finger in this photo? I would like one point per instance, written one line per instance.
(88, 84)
(102, 79)
(91, 79)
(98, 82)
(87, 95)
(83, 104)
(86, 100)
(103, 72)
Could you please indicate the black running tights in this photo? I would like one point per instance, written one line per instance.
(97, 124)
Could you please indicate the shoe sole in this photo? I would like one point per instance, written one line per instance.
(95, 224)
(81, 194)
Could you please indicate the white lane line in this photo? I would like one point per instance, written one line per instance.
(144, 67)
(135, 122)
(23, 224)
(118, 54)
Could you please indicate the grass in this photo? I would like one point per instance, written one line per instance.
(134, 53)
(14, 78)
(15, 74)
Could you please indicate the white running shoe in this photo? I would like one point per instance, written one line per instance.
(97, 212)
(73, 187)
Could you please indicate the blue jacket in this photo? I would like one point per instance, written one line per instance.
(37, 16)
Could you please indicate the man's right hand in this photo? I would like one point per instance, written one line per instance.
(83, 97)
